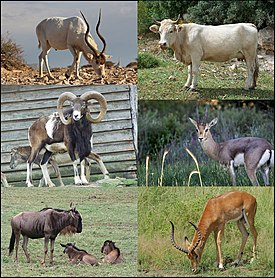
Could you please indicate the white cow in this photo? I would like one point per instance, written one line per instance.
(193, 43)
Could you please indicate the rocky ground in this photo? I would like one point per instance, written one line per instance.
(25, 75)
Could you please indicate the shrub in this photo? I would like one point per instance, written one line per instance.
(147, 60)
(11, 53)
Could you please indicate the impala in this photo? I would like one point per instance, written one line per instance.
(237, 206)
(253, 152)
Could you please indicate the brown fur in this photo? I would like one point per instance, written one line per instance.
(75, 254)
(112, 253)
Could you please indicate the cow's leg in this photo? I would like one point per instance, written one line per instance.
(189, 78)
(24, 245)
(250, 64)
(195, 72)
(44, 168)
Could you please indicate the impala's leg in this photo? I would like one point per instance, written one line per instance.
(189, 78)
(245, 234)
(219, 232)
(52, 249)
(25, 244)
(217, 251)
(250, 219)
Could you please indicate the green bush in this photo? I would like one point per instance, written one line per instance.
(147, 60)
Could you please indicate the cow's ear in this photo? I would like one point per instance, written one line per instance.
(154, 28)
(179, 28)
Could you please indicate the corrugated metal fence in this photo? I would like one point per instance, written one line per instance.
(114, 139)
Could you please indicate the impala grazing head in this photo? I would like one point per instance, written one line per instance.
(231, 206)
(253, 152)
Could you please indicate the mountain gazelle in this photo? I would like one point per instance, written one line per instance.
(253, 152)
(231, 206)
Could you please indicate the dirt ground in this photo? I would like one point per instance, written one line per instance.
(28, 76)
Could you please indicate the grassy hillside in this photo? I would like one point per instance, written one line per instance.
(107, 213)
(157, 257)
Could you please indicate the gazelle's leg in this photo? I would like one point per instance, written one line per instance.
(232, 172)
(251, 172)
(245, 234)
(265, 171)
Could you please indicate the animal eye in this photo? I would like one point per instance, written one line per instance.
(206, 129)
(197, 130)
(171, 31)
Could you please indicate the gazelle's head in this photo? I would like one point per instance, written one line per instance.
(203, 129)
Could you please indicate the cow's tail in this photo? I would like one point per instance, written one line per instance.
(12, 241)
(256, 71)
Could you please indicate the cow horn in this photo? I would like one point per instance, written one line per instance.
(158, 22)
(62, 98)
(87, 35)
(102, 102)
(100, 36)
(176, 21)
(199, 237)
(174, 243)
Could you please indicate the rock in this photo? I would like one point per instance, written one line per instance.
(266, 39)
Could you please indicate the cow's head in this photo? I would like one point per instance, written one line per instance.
(167, 30)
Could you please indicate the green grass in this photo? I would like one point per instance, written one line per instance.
(216, 80)
(107, 213)
(156, 255)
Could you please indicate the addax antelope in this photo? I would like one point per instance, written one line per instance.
(236, 205)
(253, 152)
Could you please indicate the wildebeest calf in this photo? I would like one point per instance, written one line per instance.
(46, 223)
(112, 253)
(75, 254)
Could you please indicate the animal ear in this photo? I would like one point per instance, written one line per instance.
(193, 122)
(89, 56)
(187, 242)
(179, 28)
(213, 122)
(108, 56)
(154, 28)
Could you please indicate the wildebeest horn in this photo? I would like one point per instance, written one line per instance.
(63, 245)
(174, 243)
(102, 102)
(87, 35)
(199, 237)
(62, 98)
(176, 21)
(100, 36)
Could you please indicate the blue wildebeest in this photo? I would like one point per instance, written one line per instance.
(111, 252)
(46, 223)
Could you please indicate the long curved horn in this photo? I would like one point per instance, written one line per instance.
(86, 36)
(176, 21)
(174, 243)
(158, 22)
(62, 98)
(100, 36)
(102, 102)
(199, 237)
